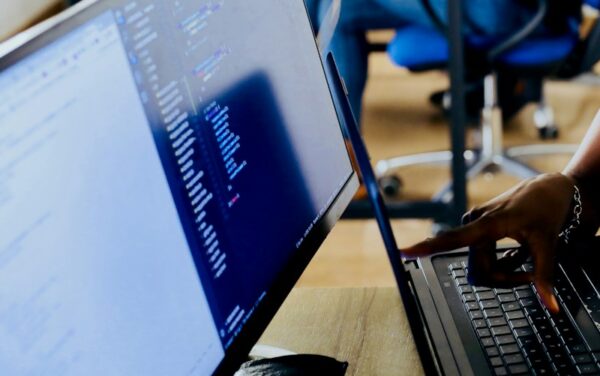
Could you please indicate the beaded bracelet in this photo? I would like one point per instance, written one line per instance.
(575, 219)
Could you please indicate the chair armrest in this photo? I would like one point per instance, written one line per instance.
(521, 34)
(437, 21)
(592, 48)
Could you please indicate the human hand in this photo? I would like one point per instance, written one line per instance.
(533, 213)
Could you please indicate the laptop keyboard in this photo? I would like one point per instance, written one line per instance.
(519, 335)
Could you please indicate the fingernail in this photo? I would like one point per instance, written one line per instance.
(555, 307)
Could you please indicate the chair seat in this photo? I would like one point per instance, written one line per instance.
(419, 48)
(540, 51)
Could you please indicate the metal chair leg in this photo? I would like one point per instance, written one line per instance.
(445, 194)
(491, 156)
(540, 150)
(431, 158)
(517, 168)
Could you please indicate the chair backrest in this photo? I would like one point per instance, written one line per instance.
(587, 52)
(593, 3)
(591, 54)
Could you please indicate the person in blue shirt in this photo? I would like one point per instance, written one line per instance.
(487, 17)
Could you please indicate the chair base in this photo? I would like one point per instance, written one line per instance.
(478, 163)
(490, 157)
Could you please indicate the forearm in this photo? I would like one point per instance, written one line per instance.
(584, 167)
(585, 164)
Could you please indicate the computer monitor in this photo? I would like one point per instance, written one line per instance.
(167, 170)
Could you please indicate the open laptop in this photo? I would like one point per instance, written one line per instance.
(167, 170)
(472, 330)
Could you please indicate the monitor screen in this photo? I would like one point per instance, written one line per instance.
(162, 163)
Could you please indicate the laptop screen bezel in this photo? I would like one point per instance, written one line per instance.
(28, 42)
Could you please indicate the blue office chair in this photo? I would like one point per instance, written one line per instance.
(536, 57)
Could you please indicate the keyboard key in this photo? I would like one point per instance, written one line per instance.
(461, 281)
(559, 358)
(577, 348)
(455, 265)
(524, 294)
(522, 323)
(486, 304)
(459, 273)
(483, 333)
(505, 340)
(525, 342)
(529, 302)
(523, 332)
(485, 295)
(543, 327)
(513, 306)
(479, 324)
(496, 361)
(504, 291)
(476, 315)
(563, 367)
(523, 287)
(495, 312)
(515, 315)
(514, 359)
(496, 321)
(465, 289)
(542, 371)
(587, 369)
(538, 318)
(517, 369)
(509, 349)
(472, 306)
(481, 288)
(500, 371)
(534, 352)
(492, 351)
(561, 320)
(487, 342)
(468, 297)
(506, 298)
(582, 358)
(500, 330)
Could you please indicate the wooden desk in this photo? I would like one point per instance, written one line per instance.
(365, 326)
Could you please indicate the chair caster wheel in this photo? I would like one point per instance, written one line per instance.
(391, 185)
(548, 133)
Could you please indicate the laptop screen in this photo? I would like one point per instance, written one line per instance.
(161, 162)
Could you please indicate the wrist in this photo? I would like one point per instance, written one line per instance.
(588, 188)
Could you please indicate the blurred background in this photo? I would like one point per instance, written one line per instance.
(549, 94)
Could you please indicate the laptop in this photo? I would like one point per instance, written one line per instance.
(461, 329)
(167, 171)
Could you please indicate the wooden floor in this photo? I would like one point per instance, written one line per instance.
(399, 120)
